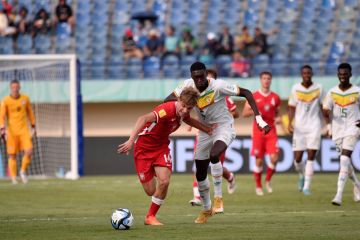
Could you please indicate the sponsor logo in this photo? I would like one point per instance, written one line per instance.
(162, 113)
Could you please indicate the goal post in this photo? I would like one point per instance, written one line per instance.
(52, 83)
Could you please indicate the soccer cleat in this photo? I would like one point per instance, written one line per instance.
(307, 192)
(151, 220)
(218, 205)
(356, 194)
(204, 215)
(301, 183)
(268, 187)
(259, 192)
(231, 185)
(14, 181)
(24, 178)
(336, 201)
(196, 201)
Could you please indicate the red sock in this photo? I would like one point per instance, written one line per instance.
(269, 173)
(154, 208)
(257, 177)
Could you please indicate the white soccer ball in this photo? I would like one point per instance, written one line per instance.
(122, 219)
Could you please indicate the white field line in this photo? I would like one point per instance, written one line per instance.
(184, 215)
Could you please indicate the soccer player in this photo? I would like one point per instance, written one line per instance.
(151, 152)
(16, 109)
(342, 105)
(268, 104)
(229, 176)
(305, 105)
(211, 108)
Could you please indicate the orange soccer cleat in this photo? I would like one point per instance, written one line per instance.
(151, 220)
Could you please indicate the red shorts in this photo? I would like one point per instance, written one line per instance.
(146, 160)
(262, 143)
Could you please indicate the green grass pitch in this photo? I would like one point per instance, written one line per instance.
(62, 209)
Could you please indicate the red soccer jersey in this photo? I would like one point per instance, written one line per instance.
(230, 104)
(267, 105)
(156, 134)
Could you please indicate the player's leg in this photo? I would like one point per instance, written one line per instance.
(12, 146)
(196, 200)
(229, 176)
(309, 170)
(258, 151)
(271, 148)
(26, 146)
(204, 189)
(217, 172)
(299, 146)
(163, 179)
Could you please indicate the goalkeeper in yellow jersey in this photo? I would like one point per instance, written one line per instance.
(15, 115)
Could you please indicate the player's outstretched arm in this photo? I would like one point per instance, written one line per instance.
(326, 114)
(291, 115)
(171, 97)
(140, 123)
(243, 92)
(202, 127)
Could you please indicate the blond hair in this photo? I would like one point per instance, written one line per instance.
(189, 96)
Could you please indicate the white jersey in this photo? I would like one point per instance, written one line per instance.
(344, 107)
(211, 105)
(308, 107)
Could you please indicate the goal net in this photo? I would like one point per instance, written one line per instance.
(51, 83)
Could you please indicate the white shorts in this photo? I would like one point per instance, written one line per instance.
(347, 142)
(225, 133)
(304, 141)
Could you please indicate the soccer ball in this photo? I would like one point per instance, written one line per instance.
(122, 219)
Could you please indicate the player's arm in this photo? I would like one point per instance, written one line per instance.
(327, 117)
(291, 114)
(2, 119)
(31, 116)
(196, 124)
(140, 123)
(243, 92)
(247, 111)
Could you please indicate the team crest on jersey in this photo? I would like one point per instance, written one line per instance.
(266, 108)
(207, 99)
(344, 100)
(162, 113)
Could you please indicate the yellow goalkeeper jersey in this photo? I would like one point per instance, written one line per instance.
(17, 111)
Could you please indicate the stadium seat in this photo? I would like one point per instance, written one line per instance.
(24, 44)
(6, 45)
(171, 67)
(152, 67)
(134, 68)
(223, 65)
(42, 43)
(260, 63)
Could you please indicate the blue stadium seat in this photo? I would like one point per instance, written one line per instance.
(134, 68)
(24, 44)
(291, 4)
(6, 45)
(251, 18)
(351, 3)
(223, 65)
(171, 66)
(260, 63)
(45, 4)
(42, 43)
(254, 4)
(152, 67)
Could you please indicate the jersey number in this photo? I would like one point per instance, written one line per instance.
(343, 112)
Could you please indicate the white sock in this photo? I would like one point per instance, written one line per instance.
(271, 165)
(309, 172)
(217, 172)
(157, 201)
(258, 169)
(196, 192)
(204, 189)
(299, 167)
(343, 174)
(353, 177)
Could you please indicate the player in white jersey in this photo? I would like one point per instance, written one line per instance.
(211, 109)
(342, 104)
(305, 104)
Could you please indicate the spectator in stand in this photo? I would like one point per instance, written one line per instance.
(64, 13)
(171, 42)
(240, 67)
(23, 22)
(7, 8)
(42, 23)
(226, 42)
(243, 42)
(153, 46)
(129, 46)
(260, 42)
(188, 43)
(7, 27)
(212, 46)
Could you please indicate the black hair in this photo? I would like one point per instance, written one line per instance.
(306, 66)
(197, 66)
(344, 66)
(265, 73)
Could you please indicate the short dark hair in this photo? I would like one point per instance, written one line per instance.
(265, 73)
(197, 66)
(212, 72)
(344, 66)
(14, 81)
(306, 66)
